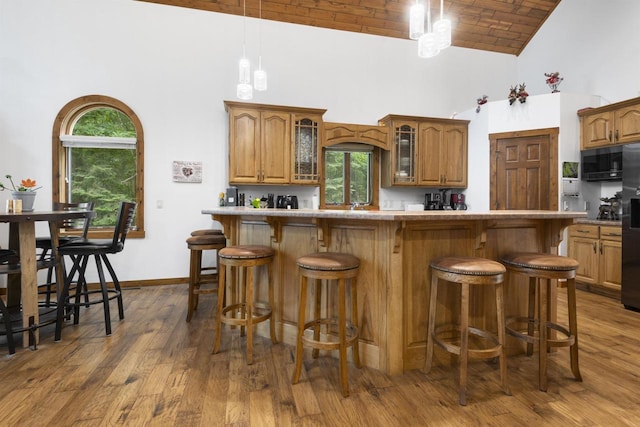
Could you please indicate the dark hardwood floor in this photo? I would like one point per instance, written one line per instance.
(158, 370)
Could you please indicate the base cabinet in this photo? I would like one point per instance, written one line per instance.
(598, 249)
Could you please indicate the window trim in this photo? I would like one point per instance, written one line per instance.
(63, 127)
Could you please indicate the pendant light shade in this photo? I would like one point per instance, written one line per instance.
(416, 21)
(433, 40)
(244, 70)
(260, 77)
(427, 43)
(442, 29)
(244, 91)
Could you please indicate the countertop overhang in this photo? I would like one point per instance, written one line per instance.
(395, 215)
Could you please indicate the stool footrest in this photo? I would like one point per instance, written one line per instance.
(352, 333)
(260, 314)
(567, 341)
(474, 353)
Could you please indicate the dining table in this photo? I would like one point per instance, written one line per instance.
(22, 289)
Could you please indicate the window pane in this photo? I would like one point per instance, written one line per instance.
(104, 176)
(104, 122)
(334, 178)
(360, 177)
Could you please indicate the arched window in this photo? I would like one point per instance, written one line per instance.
(98, 156)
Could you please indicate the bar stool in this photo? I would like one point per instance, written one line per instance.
(547, 267)
(198, 242)
(329, 266)
(467, 271)
(245, 259)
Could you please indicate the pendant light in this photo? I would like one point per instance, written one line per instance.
(260, 75)
(416, 21)
(427, 43)
(244, 90)
(442, 29)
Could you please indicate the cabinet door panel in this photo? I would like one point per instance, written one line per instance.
(611, 264)
(585, 251)
(454, 165)
(276, 146)
(627, 122)
(430, 154)
(597, 130)
(244, 149)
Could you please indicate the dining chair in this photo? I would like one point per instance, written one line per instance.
(43, 244)
(80, 251)
(8, 263)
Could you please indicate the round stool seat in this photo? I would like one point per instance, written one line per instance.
(328, 261)
(247, 252)
(540, 261)
(468, 266)
(206, 240)
(206, 232)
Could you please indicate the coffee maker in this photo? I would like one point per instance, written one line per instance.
(458, 202)
(432, 201)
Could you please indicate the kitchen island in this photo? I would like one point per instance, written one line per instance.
(395, 248)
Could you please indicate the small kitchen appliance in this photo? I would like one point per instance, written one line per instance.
(231, 198)
(287, 202)
(432, 201)
(458, 202)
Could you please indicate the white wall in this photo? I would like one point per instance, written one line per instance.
(594, 44)
(175, 66)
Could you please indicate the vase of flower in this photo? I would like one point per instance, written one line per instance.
(27, 197)
(26, 192)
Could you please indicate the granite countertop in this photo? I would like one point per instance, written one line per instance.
(599, 222)
(385, 215)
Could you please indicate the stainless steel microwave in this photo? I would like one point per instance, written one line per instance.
(602, 164)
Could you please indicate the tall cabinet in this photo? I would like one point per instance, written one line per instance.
(425, 152)
(271, 144)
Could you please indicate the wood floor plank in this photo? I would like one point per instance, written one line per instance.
(158, 370)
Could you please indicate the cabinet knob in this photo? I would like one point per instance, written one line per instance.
(610, 134)
(595, 248)
(617, 137)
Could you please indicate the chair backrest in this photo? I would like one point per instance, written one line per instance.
(75, 224)
(123, 223)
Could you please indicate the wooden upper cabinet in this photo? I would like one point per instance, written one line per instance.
(273, 144)
(426, 152)
(336, 133)
(617, 123)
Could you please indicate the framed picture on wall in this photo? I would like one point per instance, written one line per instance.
(184, 171)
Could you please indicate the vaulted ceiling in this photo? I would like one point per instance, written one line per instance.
(504, 26)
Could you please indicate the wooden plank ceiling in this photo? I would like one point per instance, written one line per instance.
(504, 26)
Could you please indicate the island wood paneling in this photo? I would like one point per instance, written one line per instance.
(394, 278)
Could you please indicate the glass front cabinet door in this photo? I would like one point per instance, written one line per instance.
(306, 134)
(405, 153)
